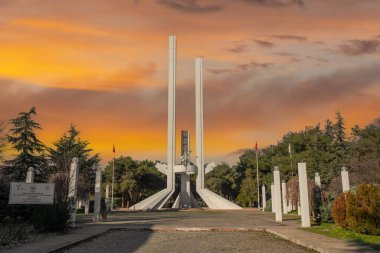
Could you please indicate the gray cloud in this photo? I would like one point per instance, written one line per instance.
(359, 47)
(190, 6)
(276, 3)
(239, 49)
(239, 152)
(241, 67)
(264, 43)
(290, 37)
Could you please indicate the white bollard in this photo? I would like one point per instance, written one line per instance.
(30, 175)
(264, 196)
(87, 204)
(73, 188)
(284, 200)
(345, 180)
(277, 192)
(304, 196)
(98, 180)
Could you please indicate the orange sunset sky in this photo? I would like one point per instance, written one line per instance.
(270, 66)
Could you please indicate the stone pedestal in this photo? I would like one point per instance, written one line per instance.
(304, 196)
(277, 192)
(345, 180)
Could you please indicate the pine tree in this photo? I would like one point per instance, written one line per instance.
(31, 150)
(65, 149)
(3, 140)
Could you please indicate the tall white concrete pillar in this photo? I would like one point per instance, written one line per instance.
(304, 196)
(98, 180)
(30, 175)
(345, 180)
(284, 200)
(317, 179)
(73, 188)
(107, 197)
(272, 197)
(264, 196)
(87, 203)
(171, 112)
(277, 192)
(199, 123)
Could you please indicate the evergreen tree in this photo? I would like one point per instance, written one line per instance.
(3, 140)
(65, 149)
(31, 150)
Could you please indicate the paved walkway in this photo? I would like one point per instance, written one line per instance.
(246, 220)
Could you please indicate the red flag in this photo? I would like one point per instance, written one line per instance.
(113, 148)
(256, 146)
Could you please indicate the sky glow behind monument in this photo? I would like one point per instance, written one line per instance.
(272, 66)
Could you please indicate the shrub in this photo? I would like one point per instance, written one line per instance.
(51, 217)
(339, 213)
(363, 210)
(325, 211)
(268, 207)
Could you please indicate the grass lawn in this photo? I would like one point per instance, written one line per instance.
(333, 230)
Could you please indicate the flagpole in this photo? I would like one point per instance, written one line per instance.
(257, 179)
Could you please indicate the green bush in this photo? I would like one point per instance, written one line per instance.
(268, 207)
(50, 217)
(363, 210)
(339, 213)
(325, 211)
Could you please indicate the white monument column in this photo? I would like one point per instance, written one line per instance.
(304, 196)
(264, 196)
(171, 113)
(87, 203)
(272, 197)
(277, 192)
(73, 188)
(284, 200)
(345, 180)
(30, 175)
(317, 179)
(107, 197)
(98, 180)
(199, 122)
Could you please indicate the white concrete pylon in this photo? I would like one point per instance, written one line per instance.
(284, 200)
(272, 197)
(277, 192)
(107, 197)
(264, 196)
(304, 195)
(30, 175)
(98, 181)
(345, 180)
(73, 188)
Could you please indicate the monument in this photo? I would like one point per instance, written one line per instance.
(185, 169)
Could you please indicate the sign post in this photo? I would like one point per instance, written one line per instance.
(31, 193)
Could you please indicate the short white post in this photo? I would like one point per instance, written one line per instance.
(304, 196)
(317, 179)
(277, 192)
(98, 180)
(272, 196)
(284, 200)
(299, 208)
(73, 188)
(30, 175)
(264, 196)
(345, 180)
